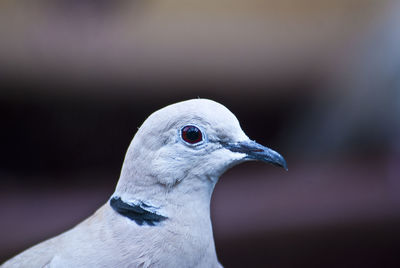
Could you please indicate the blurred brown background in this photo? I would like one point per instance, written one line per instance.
(316, 80)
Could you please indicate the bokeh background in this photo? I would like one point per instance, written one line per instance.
(319, 81)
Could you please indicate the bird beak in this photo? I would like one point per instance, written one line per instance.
(255, 151)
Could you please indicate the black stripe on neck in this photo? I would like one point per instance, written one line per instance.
(137, 213)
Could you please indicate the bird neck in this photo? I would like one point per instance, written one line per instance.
(190, 197)
(184, 209)
(186, 197)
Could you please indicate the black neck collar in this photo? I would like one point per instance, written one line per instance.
(140, 213)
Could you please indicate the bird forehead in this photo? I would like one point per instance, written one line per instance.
(205, 113)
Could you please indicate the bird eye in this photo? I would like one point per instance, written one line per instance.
(191, 134)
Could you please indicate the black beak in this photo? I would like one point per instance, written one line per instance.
(255, 151)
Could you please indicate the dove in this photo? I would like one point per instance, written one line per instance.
(159, 214)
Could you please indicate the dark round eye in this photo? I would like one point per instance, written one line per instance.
(191, 134)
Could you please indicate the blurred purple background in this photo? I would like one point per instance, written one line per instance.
(318, 81)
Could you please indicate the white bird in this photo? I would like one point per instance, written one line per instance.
(159, 214)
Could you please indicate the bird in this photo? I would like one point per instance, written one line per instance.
(159, 214)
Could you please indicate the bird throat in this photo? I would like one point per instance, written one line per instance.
(139, 212)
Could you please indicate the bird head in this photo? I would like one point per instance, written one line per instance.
(197, 139)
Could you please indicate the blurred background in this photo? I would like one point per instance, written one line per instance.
(318, 81)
